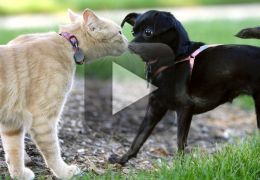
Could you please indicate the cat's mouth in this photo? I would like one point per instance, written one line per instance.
(80, 63)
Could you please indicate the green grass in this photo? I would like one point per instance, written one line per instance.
(235, 161)
(245, 102)
(32, 6)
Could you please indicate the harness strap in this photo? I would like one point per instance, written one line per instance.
(190, 58)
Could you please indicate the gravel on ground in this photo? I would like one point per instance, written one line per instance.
(90, 134)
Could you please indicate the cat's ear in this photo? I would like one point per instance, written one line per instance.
(73, 16)
(89, 16)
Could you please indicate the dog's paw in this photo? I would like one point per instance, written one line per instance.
(115, 159)
(26, 174)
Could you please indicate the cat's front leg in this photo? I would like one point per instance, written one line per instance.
(44, 133)
(13, 144)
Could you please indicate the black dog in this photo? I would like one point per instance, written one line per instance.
(220, 74)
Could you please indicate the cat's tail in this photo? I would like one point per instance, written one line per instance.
(249, 33)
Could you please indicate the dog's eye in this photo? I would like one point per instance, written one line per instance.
(148, 32)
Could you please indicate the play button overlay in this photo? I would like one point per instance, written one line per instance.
(127, 88)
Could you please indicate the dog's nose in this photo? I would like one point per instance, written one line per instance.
(131, 47)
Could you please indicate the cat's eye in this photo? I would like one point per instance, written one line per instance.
(148, 33)
(120, 32)
(93, 28)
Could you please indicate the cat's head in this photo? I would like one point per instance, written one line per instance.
(98, 37)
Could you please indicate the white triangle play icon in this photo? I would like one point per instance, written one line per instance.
(127, 88)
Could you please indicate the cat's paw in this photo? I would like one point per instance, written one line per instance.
(70, 171)
(26, 174)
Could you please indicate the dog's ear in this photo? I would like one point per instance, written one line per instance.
(130, 19)
(184, 41)
(165, 21)
(73, 16)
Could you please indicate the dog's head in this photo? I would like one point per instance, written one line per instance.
(159, 27)
(97, 36)
(151, 53)
(156, 56)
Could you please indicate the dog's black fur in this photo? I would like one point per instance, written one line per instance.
(249, 33)
(220, 74)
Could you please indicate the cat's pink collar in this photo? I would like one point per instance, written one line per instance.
(71, 38)
(79, 56)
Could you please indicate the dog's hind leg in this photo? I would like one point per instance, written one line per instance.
(257, 108)
(154, 113)
(183, 125)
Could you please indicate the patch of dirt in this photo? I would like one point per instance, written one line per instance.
(90, 134)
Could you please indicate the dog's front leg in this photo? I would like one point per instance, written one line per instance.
(154, 113)
(183, 126)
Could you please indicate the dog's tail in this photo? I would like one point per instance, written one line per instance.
(249, 33)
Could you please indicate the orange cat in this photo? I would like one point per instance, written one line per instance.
(36, 74)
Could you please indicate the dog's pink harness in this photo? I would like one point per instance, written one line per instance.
(190, 58)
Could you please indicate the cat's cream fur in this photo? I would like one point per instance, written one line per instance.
(36, 74)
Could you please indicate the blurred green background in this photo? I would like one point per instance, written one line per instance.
(211, 32)
(36, 6)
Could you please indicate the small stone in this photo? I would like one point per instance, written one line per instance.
(160, 152)
(126, 171)
(81, 151)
